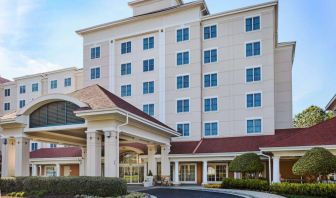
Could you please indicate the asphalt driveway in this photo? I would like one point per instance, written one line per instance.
(182, 193)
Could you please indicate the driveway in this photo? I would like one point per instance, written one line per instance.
(182, 193)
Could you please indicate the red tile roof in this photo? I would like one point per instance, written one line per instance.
(56, 152)
(3, 80)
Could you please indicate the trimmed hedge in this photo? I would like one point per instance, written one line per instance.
(96, 186)
(250, 184)
(246, 163)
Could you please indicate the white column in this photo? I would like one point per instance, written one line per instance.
(40, 174)
(111, 158)
(82, 165)
(205, 172)
(176, 173)
(22, 156)
(276, 169)
(58, 170)
(34, 170)
(151, 159)
(237, 175)
(165, 163)
(5, 156)
(93, 145)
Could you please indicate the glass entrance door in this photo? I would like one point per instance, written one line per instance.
(133, 174)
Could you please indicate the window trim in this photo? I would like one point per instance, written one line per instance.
(149, 103)
(184, 122)
(181, 75)
(210, 97)
(148, 36)
(182, 27)
(218, 163)
(67, 86)
(187, 163)
(23, 102)
(148, 60)
(253, 41)
(100, 74)
(254, 92)
(203, 56)
(261, 74)
(208, 122)
(183, 98)
(148, 81)
(209, 73)
(121, 85)
(9, 92)
(126, 47)
(95, 46)
(123, 75)
(51, 84)
(32, 86)
(251, 16)
(25, 89)
(182, 51)
(9, 106)
(209, 25)
(254, 133)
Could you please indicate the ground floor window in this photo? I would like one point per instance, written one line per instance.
(187, 173)
(217, 172)
(50, 171)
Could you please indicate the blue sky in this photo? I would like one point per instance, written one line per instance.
(39, 35)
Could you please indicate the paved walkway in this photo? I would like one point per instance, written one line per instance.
(235, 193)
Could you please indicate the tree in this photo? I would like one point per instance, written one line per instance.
(246, 163)
(311, 116)
(315, 162)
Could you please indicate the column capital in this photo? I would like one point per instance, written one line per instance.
(276, 157)
(110, 133)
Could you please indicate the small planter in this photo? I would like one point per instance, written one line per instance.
(148, 182)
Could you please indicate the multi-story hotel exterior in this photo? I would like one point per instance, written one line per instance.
(211, 86)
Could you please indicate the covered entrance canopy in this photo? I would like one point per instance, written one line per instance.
(91, 118)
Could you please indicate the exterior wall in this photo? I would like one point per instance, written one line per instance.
(11, 99)
(153, 5)
(286, 169)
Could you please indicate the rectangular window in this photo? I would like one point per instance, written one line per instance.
(67, 82)
(22, 89)
(7, 106)
(182, 82)
(95, 52)
(22, 103)
(253, 49)
(53, 84)
(53, 145)
(126, 69)
(211, 129)
(210, 32)
(253, 126)
(126, 47)
(210, 80)
(216, 172)
(252, 23)
(148, 65)
(34, 146)
(253, 74)
(35, 87)
(210, 56)
(148, 87)
(95, 73)
(253, 100)
(210, 104)
(182, 58)
(7, 92)
(148, 43)
(183, 128)
(182, 105)
(187, 173)
(182, 34)
(149, 109)
(126, 90)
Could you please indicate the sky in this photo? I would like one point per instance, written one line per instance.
(39, 35)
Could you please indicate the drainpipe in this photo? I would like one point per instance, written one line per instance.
(123, 124)
(269, 167)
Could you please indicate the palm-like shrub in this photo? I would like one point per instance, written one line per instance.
(246, 163)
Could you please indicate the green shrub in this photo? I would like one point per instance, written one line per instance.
(96, 186)
(318, 189)
(246, 163)
(8, 185)
(250, 184)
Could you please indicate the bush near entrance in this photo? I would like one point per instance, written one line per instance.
(316, 162)
(246, 163)
(95, 186)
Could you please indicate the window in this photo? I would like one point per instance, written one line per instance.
(148, 65)
(253, 74)
(187, 173)
(210, 80)
(210, 56)
(148, 87)
(7, 106)
(253, 49)
(253, 100)
(210, 32)
(95, 52)
(210, 104)
(126, 47)
(252, 23)
(34, 146)
(22, 89)
(183, 128)
(126, 90)
(182, 81)
(34, 87)
(53, 145)
(254, 126)
(182, 105)
(210, 129)
(126, 69)
(216, 172)
(67, 82)
(50, 171)
(182, 58)
(95, 73)
(182, 34)
(22, 103)
(148, 43)
(7, 92)
(149, 109)
(53, 84)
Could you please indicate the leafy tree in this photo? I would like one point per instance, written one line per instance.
(311, 116)
(246, 163)
(315, 162)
